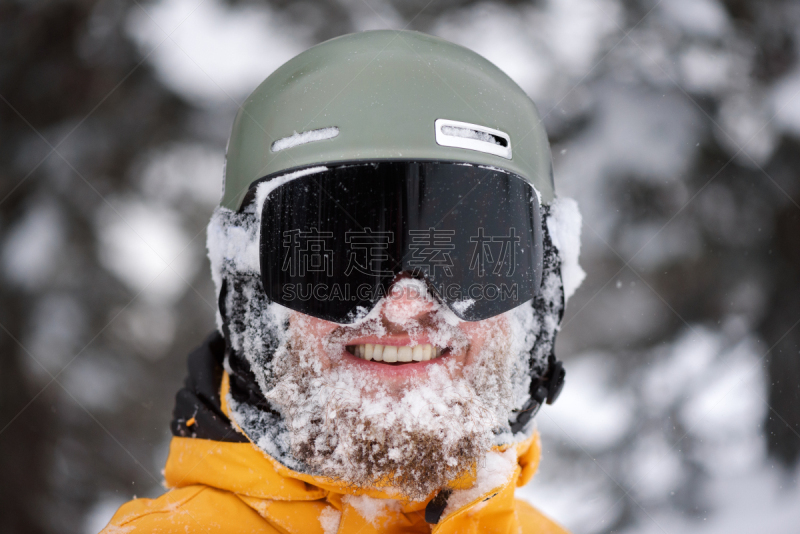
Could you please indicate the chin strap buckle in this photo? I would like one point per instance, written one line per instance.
(546, 389)
(549, 386)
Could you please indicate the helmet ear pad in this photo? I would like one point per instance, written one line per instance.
(546, 371)
(244, 310)
(252, 326)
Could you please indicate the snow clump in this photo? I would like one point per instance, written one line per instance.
(564, 225)
(305, 137)
(329, 520)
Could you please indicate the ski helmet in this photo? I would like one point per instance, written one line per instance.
(407, 153)
(386, 95)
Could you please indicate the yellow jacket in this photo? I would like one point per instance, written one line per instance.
(234, 487)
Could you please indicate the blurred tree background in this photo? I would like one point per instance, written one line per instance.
(675, 124)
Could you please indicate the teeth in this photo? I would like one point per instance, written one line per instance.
(392, 354)
(404, 354)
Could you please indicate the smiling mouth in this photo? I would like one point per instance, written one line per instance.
(395, 354)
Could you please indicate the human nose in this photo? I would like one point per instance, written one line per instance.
(407, 299)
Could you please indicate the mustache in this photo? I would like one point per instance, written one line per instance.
(428, 324)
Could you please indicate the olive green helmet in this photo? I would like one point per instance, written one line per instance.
(386, 95)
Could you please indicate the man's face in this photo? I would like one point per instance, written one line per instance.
(411, 425)
(334, 409)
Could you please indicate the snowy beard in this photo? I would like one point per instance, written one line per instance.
(345, 425)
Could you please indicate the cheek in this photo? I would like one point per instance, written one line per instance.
(478, 332)
(310, 331)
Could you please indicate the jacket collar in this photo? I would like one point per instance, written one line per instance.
(258, 479)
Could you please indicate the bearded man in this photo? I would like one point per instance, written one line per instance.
(388, 256)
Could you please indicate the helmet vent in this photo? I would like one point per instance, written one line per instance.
(305, 137)
(472, 137)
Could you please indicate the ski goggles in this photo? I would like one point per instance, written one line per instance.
(333, 241)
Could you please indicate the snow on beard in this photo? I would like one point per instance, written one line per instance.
(345, 424)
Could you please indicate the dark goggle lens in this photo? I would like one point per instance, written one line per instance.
(332, 242)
